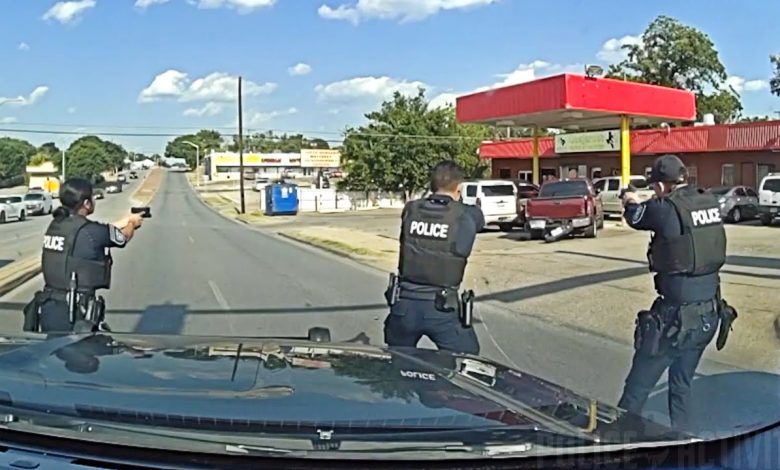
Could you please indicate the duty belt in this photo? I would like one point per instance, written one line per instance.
(417, 295)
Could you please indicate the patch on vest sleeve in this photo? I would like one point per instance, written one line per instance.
(116, 236)
(640, 212)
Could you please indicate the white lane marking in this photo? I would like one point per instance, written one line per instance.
(192, 240)
(218, 295)
(484, 324)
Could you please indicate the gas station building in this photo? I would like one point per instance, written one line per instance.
(596, 115)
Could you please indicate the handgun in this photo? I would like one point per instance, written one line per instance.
(628, 189)
(146, 211)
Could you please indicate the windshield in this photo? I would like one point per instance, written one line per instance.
(771, 184)
(721, 190)
(294, 203)
(564, 188)
(498, 190)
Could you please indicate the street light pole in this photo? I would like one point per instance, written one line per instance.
(63, 165)
(197, 161)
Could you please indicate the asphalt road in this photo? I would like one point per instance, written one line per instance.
(191, 271)
(23, 239)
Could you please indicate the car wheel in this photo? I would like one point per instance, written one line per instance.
(601, 222)
(505, 227)
(766, 219)
(50, 209)
(592, 231)
(2, 217)
(736, 215)
(535, 233)
(22, 216)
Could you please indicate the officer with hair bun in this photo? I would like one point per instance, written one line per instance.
(437, 235)
(75, 244)
(686, 253)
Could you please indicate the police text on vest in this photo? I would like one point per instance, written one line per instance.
(706, 217)
(54, 243)
(413, 374)
(426, 229)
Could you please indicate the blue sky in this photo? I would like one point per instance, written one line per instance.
(165, 66)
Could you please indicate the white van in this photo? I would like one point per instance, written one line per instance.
(769, 198)
(496, 198)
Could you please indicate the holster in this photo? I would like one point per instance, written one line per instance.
(32, 312)
(727, 315)
(447, 300)
(393, 290)
(648, 333)
(466, 308)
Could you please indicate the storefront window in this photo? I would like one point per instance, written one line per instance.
(727, 176)
(595, 172)
(504, 173)
(693, 175)
(763, 170)
(525, 175)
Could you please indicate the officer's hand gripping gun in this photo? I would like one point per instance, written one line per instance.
(628, 189)
(146, 211)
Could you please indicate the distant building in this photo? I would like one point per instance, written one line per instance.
(44, 176)
(225, 165)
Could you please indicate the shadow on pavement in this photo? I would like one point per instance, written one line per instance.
(725, 403)
(4, 262)
(735, 260)
(161, 320)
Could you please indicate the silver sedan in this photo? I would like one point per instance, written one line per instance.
(737, 203)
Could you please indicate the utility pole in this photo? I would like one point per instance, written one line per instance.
(63, 166)
(241, 147)
(197, 160)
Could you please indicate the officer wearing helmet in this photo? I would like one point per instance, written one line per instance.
(76, 262)
(686, 252)
(437, 235)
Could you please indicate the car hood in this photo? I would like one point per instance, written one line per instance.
(287, 385)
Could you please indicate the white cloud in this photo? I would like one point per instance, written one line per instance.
(23, 46)
(443, 100)
(7, 120)
(740, 84)
(29, 100)
(403, 10)
(334, 111)
(379, 88)
(255, 119)
(72, 110)
(299, 69)
(67, 12)
(209, 109)
(142, 4)
(217, 86)
(612, 50)
(243, 6)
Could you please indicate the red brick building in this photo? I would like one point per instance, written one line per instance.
(716, 155)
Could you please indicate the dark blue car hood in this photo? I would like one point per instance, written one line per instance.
(253, 385)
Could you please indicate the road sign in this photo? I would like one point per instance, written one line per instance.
(577, 142)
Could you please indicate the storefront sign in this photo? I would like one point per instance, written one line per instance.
(320, 158)
(600, 141)
(258, 159)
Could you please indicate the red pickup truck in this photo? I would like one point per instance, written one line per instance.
(573, 201)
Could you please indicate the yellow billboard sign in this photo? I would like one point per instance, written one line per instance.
(320, 158)
(258, 159)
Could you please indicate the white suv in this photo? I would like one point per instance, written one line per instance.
(769, 198)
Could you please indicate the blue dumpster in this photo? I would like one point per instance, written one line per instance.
(281, 199)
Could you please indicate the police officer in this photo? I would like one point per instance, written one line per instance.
(75, 244)
(437, 235)
(687, 250)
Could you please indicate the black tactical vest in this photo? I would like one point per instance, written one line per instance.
(429, 231)
(701, 247)
(58, 261)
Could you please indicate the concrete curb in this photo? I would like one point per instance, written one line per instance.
(17, 273)
(332, 251)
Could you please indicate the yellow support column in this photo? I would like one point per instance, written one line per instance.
(535, 155)
(625, 151)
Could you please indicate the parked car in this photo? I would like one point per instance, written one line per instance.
(12, 207)
(737, 203)
(769, 198)
(609, 188)
(121, 178)
(98, 193)
(496, 198)
(110, 187)
(38, 203)
(260, 183)
(337, 174)
(559, 203)
(525, 191)
(133, 175)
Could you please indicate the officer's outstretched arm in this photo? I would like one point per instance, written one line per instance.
(648, 215)
(128, 225)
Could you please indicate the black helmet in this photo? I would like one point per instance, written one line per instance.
(668, 169)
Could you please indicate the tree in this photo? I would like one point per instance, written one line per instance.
(755, 119)
(89, 156)
(207, 140)
(774, 83)
(52, 152)
(39, 159)
(403, 140)
(675, 55)
(14, 155)
(268, 142)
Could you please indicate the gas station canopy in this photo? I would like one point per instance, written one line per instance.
(576, 102)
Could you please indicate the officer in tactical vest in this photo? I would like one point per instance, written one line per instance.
(76, 262)
(437, 235)
(687, 250)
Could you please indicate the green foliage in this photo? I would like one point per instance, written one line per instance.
(14, 155)
(403, 140)
(40, 158)
(755, 119)
(90, 155)
(675, 55)
(207, 140)
(774, 83)
(267, 142)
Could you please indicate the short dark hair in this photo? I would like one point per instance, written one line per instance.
(446, 175)
(74, 192)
